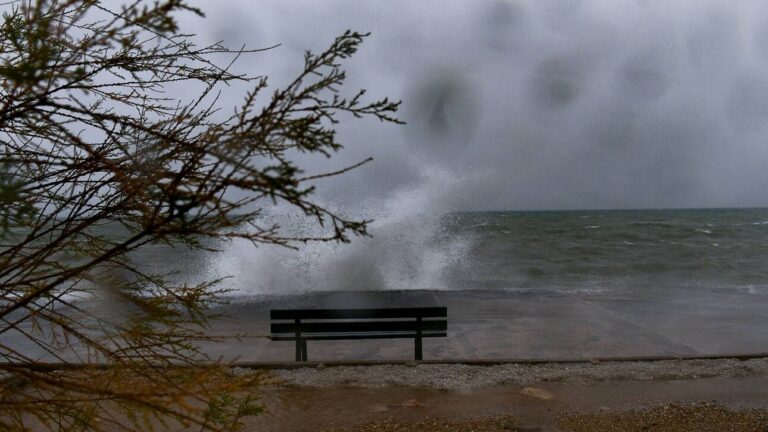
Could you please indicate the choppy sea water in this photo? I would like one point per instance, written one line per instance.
(538, 251)
(598, 251)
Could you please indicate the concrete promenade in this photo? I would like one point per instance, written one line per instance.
(503, 325)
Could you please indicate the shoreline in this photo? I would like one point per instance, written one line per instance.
(323, 364)
(493, 362)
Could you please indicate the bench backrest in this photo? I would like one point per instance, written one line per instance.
(427, 319)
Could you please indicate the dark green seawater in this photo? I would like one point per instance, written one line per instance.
(612, 250)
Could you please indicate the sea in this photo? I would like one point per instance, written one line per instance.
(614, 250)
(584, 251)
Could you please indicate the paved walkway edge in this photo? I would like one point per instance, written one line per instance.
(50, 366)
(494, 362)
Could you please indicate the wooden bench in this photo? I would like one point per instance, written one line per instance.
(301, 325)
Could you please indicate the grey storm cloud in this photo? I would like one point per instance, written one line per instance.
(544, 104)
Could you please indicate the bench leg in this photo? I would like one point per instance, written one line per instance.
(300, 344)
(303, 350)
(418, 348)
(417, 341)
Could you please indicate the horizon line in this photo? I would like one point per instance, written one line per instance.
(611, 209)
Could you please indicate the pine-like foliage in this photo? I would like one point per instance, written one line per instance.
(101, 156)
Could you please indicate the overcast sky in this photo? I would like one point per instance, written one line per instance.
(545, 104)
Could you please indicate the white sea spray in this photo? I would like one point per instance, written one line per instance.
(406, 250)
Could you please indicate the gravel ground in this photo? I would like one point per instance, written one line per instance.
(666, 418)
(669, 418)
(459, 376)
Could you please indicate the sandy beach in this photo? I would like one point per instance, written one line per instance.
(712, 395)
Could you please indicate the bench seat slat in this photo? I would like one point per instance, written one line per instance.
(425, 312)
(351, 336)
(360, 326)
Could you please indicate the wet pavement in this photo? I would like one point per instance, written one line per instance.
(509, 325)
